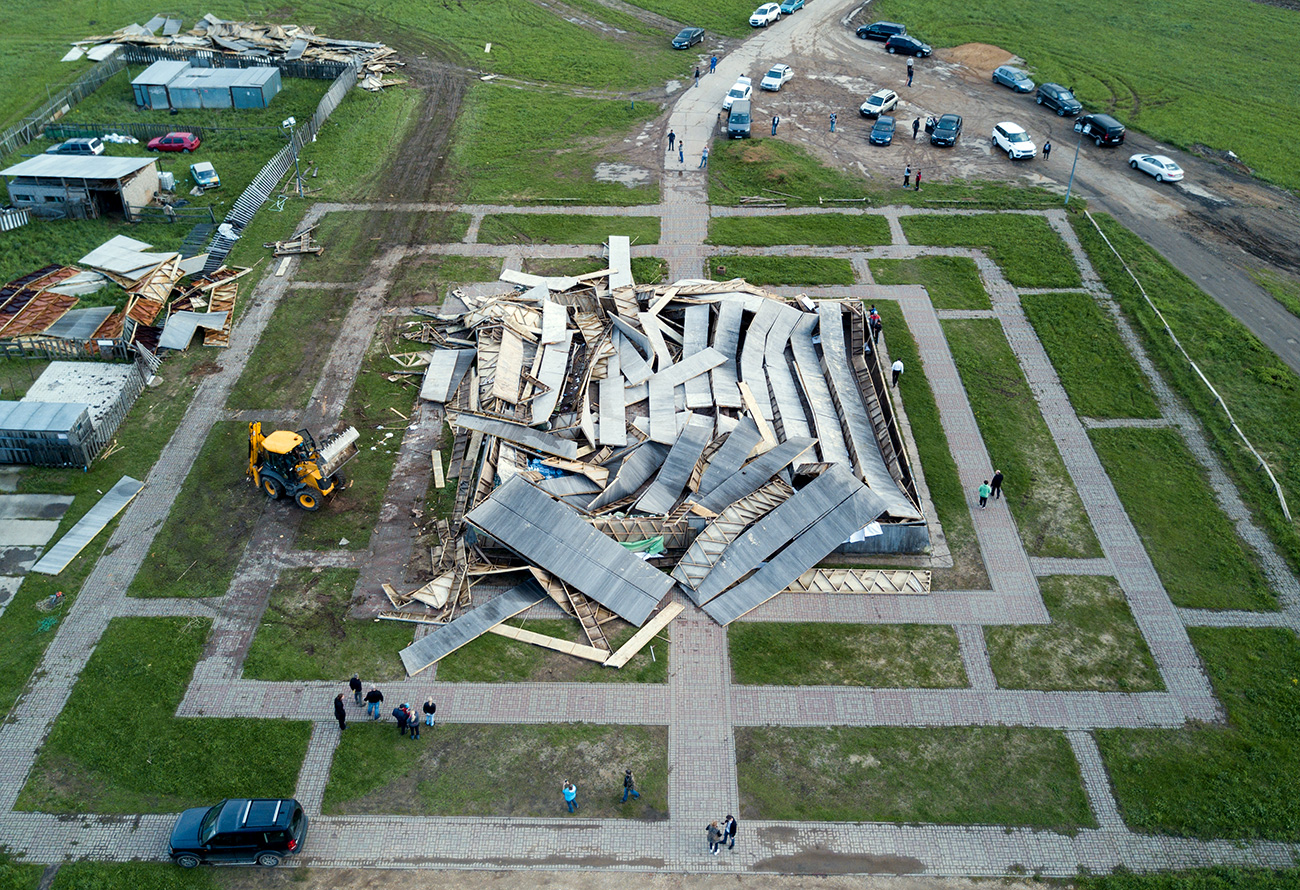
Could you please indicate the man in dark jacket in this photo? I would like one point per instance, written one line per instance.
(399, 714)
(374, 698)
(355, 685)
(429, 709)
(729, 831)
(629, 787)
(339, 714)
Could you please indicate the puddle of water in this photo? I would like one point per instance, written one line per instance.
(627, 174)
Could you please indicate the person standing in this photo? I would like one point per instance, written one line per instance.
(916, 127)
(713, 63)
(412, 722)
(671, 137)
(776, 122)
(629, 787)
(996, 484)
(355, 685)
(697, 75)
(984, 493)
(897, 368)
(570, 792)
(834, 118)
(429, 709)
(918, 179)
(714, 835)
(876, 325)
(729, 831)
(340, 714)
(909, 71)
(1047, 149)
(374, 698)
(907, 176)
(399, 714)
(704, 158)
(681, 152)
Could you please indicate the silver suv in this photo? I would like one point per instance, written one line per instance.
(1013, 139)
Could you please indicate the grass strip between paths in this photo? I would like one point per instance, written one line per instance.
(984, 775)
(953, 282)
(496, 659)
(565, 228)
(819, 654)
(1038, 490)
(198, 548)
(1223, 877)
(1201, 561)
(645, 269)
(118, 748)
(353, 239)
(1093, 643)
(1099, 375)
(306, 633)
(1024, 246)
(781, 269)
(512, 770)
(1212, 781)
(431, 275)
(950, 503)
(135, 875)
(814, 229)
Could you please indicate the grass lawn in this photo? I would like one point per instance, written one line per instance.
(745, 167)
(18, 875)
(817, 654)
(950, 504)
(781, 269)
(136, 875)
(1029, 253)
(287, 361)
(816, 230)
(557, 161)
(1285, 290)
(1148, 83)
(1098, 373)
(306, 633)
(1209, 781)
(496, 659)
(1038, 489)
(343, 157)
(511, 770)
(543, 228)
(953, 282)
(1218, 878)
(65, 241)
(994, 775)
(429, 275)
(1201, 561)
(199, 546)
(24, 633)
(729, 17)
(1262, 392)
(1091, 644)
(142, 759)
(352, 513)
(354, 238)
(645, 269)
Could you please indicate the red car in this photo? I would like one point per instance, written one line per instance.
(185, 142)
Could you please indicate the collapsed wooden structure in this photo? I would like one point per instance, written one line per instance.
(618, 442)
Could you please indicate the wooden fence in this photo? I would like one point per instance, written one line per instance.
(141, 130)
(30, 127)
(147, 55)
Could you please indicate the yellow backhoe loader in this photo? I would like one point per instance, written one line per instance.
(290, 464)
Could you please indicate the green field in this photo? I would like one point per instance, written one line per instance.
(953, 282)
(781, 269)
(816, 229)
(1029, 253)
(565, 228)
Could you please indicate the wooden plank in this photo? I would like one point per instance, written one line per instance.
(590, 653)
(643, 636)
(751, 405)
(510, 365)
(393, 596)
(412, 617)
(439, 480)
(599, 475)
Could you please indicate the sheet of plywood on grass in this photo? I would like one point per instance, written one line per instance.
(591, 653)
(39, 313)
(223, 300)
(643, 636)
(873, 581)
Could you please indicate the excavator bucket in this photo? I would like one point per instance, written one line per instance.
(337, 450)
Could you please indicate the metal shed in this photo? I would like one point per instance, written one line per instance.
(81, 187)
(224, 88)
(46, 434)
(151, 86)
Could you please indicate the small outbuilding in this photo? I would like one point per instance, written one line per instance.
(223, 88)
(151, 86)
(81, 187)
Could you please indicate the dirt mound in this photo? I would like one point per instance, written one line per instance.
(981, 57)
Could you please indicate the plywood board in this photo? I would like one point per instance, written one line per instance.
(591, 653)
(643, 636)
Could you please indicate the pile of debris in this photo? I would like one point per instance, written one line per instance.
(167, 298)
(249, 40)
(617, 442)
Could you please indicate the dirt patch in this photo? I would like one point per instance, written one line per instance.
(979, 57)
(823, 862)
(204, 369)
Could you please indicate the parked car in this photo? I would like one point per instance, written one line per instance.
(774, 79)
(1059, 99)
(1159, 166)
(688, 37)
(946, 130)
(743, 88)
(1013, 77)
(882, 132)
(791, 6)
(88, 145)
(205, 175)
(907, 45)
(186, 142)
(1013, 139)
(740, 119)
(239, 832)
(880, 102)
(881, 30)
(765, 15)
(1103, 129)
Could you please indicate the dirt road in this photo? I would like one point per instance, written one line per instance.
(1214, 226)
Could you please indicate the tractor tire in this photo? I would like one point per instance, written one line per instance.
(274, 490)
(308, 499)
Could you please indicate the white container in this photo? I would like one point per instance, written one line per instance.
(166, 180)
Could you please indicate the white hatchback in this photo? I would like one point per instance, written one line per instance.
(1159, 166)
(1013, 139)
(776, 77)
(765, 15)
(743, 88)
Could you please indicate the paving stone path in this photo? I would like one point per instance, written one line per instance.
(699, 704)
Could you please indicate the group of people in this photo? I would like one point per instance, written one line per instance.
(408, 721)
(722, 834)
(570, 791)
(991, 487)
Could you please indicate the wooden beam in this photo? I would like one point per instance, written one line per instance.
(644, 635)
(439, 480)
(527, 636)
(751, 405)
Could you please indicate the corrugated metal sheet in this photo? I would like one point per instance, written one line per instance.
(81, 534)
(728, 459)
(661, 497)
(78, 167)
(79, 324)
(473, 624)
(754, 474)
(518, 433)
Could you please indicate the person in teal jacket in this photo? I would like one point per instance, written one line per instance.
(985, 491)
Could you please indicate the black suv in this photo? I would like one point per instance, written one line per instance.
(1101, 128)
(1059, 99)
(946, 130)
(881, 30)
(239, 832)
